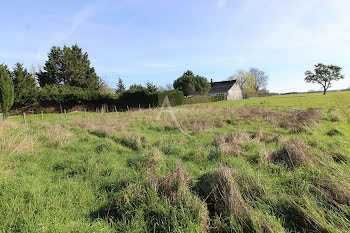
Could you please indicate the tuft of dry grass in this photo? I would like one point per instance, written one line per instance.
(133, 141)
(153, 165)
(6, 169)
(57, 135)
(18, 139)
(267, 138)
(300, 120)
(294, 153)
(223, 196)
(230, 145)
(105, 128)
(333, 191)
(174, 185)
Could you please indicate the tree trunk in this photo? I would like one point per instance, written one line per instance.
(324, 91)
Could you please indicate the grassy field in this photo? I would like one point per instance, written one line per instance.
(274, 164)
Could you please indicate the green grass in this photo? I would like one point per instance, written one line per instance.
(129, 172)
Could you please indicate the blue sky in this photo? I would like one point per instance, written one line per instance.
(140, 40)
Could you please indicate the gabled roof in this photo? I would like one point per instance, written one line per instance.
(224, 86)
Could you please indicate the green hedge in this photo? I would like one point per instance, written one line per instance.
(137, 99)
(67, 97)
(196, 99)
(145, 99)
(175, 97)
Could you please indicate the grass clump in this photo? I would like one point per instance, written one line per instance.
(224, 200)
(230, 145)
(57, 135)
(164, 207)
(133, 141)
(16, 139)
(300, 120)
(294, 153)
(334, 132)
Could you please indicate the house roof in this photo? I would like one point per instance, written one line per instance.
(224, 86)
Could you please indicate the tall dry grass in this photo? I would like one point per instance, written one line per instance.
(16, 138)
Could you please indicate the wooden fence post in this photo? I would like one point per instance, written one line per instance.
(127, 106)
(65, 113)
(42, 115)
(24, 118)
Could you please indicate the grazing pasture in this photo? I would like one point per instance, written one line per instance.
(273, 164)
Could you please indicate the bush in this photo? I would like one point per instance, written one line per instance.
(144, 99)
(139, 98)
(198, 99)
(175, 97)
(67, 97)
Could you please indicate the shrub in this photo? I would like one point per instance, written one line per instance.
(67, 97)
(6, 90)
(175, 97)
(198, 99)
(138, 98)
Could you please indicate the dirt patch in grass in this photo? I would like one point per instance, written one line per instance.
(293, 153)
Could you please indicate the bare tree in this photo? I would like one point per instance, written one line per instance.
(246, 81)
(261, 79)
(167, 87)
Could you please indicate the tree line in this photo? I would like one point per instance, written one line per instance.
(67, 78)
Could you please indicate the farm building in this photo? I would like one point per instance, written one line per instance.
(230, 90)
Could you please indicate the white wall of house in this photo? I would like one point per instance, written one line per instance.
(235, 93)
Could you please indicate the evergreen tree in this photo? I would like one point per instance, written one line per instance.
(150, 87)
(120, 87)
(191, 84)
(24, 85)
(6, 90)
(69, 66)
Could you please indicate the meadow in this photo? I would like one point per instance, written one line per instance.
(272, 164)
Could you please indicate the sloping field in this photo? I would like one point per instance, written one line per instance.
(275, 164)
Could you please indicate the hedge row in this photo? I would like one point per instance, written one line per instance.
(144, 99)
(175, 97)
(197, 99)
(69, 97)
(58, 97)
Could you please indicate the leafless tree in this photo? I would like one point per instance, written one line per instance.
(261, 79)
